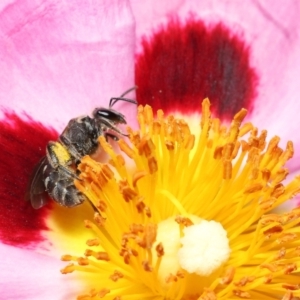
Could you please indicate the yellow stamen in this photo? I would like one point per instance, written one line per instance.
(190, 216)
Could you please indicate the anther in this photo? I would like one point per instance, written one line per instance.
(275, 229)
(229, 275)
(208, 295)
(127, 192)
(88, 224)
(227, 151)
(93, 242)
(289, 286)
(160, 250)
(171, 278)
(278, 190)
(281, 175)
(147, 266)
(116, 276)
(290, 268)
(152, 165)
(287, 237)
(102, 206)
(266, 174)
(205, 112)
(98, 255)
(68, 257)
(148, 114)
(218, 152)
(243, 281)
(268, 278)
(82, 261)
(242, 294)
(103, 293)
(99, 219)
(68, 269)
(270, 218)
(255, 187)
(183, 221)
(136, 228)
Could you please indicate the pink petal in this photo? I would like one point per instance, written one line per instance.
(60, 59)
(271, 29)
(29, 275)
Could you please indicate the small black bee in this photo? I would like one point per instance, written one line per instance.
(54, 175)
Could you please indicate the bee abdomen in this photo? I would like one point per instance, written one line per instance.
(61, 188)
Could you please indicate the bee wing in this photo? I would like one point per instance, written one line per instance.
(36, 192)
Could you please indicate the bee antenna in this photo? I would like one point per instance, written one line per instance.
(114, 100)
(130, 90)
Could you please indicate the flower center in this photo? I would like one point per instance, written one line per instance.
(165, 219)
(200, 248)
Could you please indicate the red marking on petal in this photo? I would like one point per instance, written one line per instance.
(180, 65)
(23, 143)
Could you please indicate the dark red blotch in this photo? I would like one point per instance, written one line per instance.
(180, 65)
(23, 143)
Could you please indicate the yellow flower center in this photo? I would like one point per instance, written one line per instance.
(185, 216)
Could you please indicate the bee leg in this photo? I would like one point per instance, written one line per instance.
(93, 206)
(110, 125)
(68, 171)
(73, 196)
(110, 135)
(71, 148)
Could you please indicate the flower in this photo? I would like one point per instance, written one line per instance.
(259, 36)
(190, 215)
(60, 60)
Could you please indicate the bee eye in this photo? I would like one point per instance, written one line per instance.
(109, 114)
(102, 113)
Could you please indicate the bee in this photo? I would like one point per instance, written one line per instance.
(54, 175)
